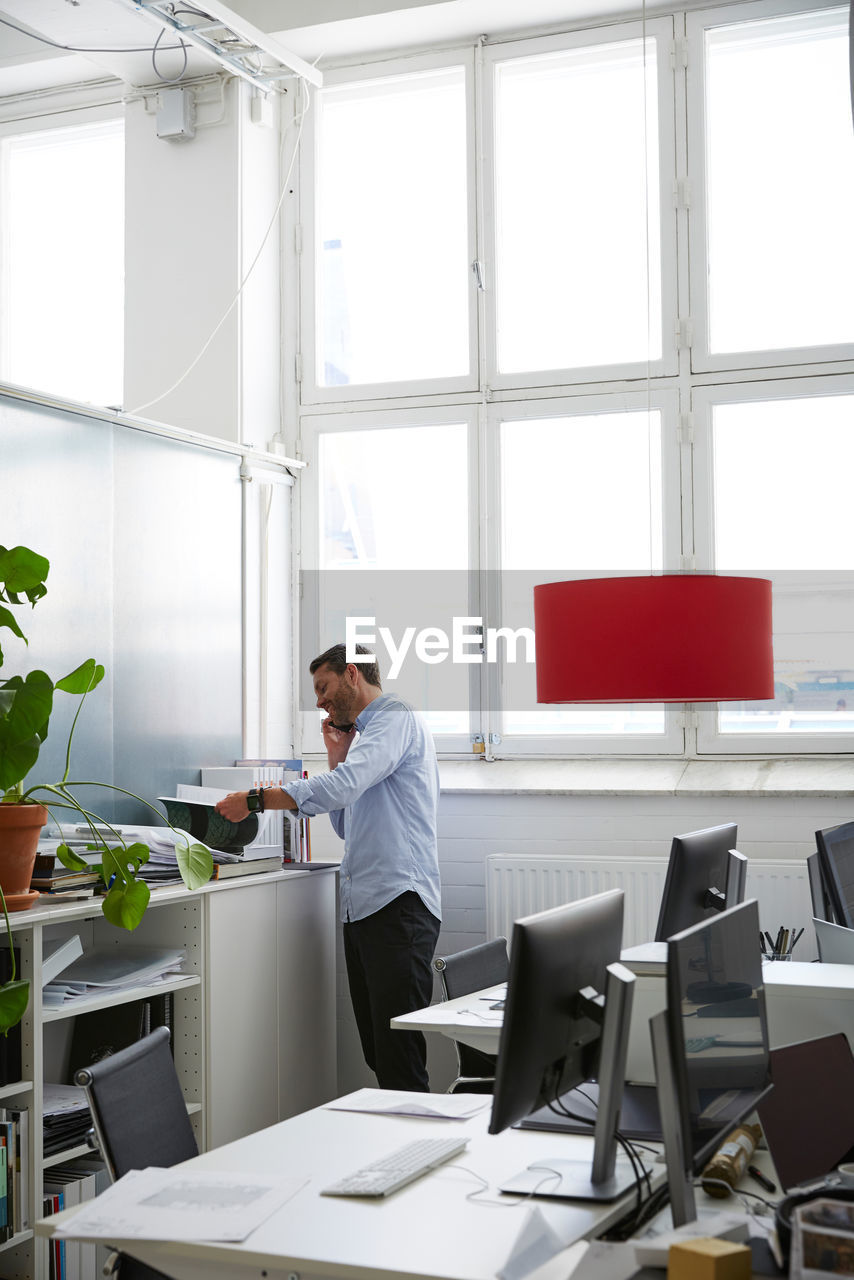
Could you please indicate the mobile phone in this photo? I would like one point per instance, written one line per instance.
(342, 728)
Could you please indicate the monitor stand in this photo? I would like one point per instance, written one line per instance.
(679, 1174)
(605, 1180)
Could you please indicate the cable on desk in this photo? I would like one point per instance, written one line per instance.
(639, 1169)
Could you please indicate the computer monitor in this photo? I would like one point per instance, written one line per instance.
(822, 904)
(566, 1020)
(836, 859)
(710, 1045)
(835, 942)
(705, 874)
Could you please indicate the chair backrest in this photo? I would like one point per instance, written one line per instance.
(138, 1109)
(475, 968)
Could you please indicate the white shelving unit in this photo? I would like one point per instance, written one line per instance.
(254, 1010)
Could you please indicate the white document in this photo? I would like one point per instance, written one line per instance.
(181, 1204)
(123, 966)
(436, 1106)
(62, 1098)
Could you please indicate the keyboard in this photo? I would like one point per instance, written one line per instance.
(382, 1177)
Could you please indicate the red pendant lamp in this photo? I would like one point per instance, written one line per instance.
(680, 637)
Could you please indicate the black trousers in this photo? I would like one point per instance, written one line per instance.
(389, 970)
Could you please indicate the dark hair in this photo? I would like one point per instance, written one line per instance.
(336, 659)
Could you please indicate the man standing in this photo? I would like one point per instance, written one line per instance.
(381, 794)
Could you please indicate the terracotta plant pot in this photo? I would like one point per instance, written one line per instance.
(20, 829)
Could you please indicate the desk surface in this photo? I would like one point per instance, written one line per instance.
(426, 1231)
(825, 989)
(467, 1018)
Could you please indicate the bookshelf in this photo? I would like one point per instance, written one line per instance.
(253, 1012)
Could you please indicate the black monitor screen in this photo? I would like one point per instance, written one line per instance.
(836, 859)
(550, 1034)
(717, 1026)
(699, 863)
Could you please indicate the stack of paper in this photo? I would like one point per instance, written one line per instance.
(112, 970)
(66, 1117)
(162, 865)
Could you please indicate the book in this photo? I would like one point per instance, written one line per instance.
(48, 867)
(61, 880)
(59, 956)
(202, 822)
(63, 1180)
(4, 1190)
(7, 1144)
(79, 1181)
(224, 870)
(21, 1117)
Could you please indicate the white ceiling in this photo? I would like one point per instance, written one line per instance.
(323, 29)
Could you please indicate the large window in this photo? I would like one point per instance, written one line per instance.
(635, 304)
(62, 260)
(391, 236)
(779, 187)
(576, 208)
(778, 457)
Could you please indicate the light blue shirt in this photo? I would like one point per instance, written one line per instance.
(383, 800)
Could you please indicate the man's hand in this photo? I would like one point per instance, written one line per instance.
(336, 741)
(234, 806)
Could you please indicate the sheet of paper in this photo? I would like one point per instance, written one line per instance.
(181, 1204)
(535, 1244)
(60, 1098)
(125, 966)
(437, 1106)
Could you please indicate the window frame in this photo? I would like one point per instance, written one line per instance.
(311, 393)
(711, 741)
(702, 359)
(666, 401)
(318, 425)
(686, 381)
(661, 30)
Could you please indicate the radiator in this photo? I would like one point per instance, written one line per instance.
(520, 886)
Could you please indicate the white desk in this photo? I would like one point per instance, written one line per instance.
(468, 1019)
(426, 1231)
(804, 1001)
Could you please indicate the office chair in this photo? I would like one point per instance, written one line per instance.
(139, 1117)
(471, 970)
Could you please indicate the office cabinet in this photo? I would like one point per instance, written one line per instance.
(253, 1022)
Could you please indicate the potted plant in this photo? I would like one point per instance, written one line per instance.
(26, 703)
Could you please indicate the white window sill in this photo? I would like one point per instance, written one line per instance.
(765, 777)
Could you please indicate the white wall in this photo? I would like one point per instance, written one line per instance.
(196, 213)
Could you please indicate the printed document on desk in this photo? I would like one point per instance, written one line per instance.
(434, 1106)
(176, 1204)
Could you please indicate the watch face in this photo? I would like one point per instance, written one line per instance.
(253, 802)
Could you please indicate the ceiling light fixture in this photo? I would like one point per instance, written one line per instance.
(232, 41)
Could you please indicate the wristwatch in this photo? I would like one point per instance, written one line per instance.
(255, 800)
